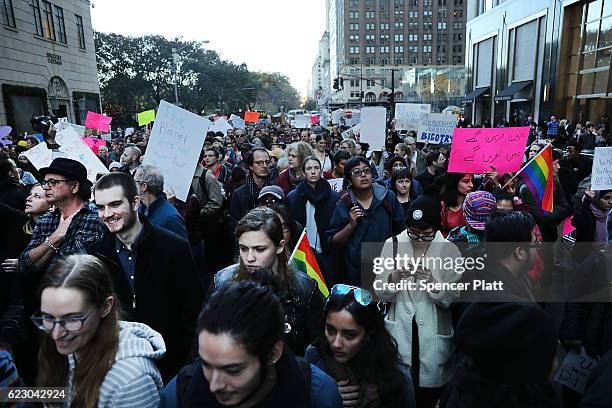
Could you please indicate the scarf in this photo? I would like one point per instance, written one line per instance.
(601, 229)
(254, 189)
(317, 195)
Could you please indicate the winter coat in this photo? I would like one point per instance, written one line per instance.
(164, 215)
(548, 222)
(431, 311)
(133, 380)
(303, 306)
(380, 221)
(166, 293)
(13, 194)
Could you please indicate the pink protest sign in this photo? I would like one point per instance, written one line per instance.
(475, 150)
(97, 121)
(314, 119)
(568, 228)
(93, 143)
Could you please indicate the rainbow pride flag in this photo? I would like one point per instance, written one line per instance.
(538, 177)
(303, 259)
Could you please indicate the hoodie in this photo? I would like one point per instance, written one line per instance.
(133, 380)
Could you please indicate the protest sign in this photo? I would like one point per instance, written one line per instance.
(314, 119)
(409, 115)
(373, 125)
(475, 150)
(355, 119)
(336, 184)
(302, 121)
(71, 147)
(351, 133)
(174, 146)
(436, 128)
(251, 116)
(146, 117)
(601, 177)
(237, 122)
(220, 125)
(93, 143)
(129, 131)
(4, 132)
(575, 369)
(336, 116)
(63, 123)
(568, 228)
(97, 121)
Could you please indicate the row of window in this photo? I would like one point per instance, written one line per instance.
(425, 59)
(384, 38)
(384, 4)
(48, 20)
(399, 14)
(385, 49)
(457, 25)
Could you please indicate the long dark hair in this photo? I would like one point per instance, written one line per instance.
(377, 361)
(450, 194)
(88, 275)
(283, 211)
(400, 175)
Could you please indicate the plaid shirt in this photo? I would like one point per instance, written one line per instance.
(84, 229)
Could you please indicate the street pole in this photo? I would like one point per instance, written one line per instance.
(174, 58)
(392, 97)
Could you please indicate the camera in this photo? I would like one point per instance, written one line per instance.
(42, 124)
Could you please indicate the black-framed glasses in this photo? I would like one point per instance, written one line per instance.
(268, 201)
(53, 182)
(416, 237)
(361, 172)
(262, 162)
(362, 296)
(47, 324)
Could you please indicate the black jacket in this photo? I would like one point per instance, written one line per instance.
(13, 194)
(167, 295)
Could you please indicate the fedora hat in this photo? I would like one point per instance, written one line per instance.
(67, 168)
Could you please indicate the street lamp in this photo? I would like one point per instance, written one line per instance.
(175, 60)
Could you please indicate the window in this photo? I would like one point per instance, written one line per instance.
(370, 50)
(383, 4)
(382, 80)
(426, 37)
(399, 25)
(59, 22)
(353, 15)
(427, 48)
(413, 37)
(354, 26)
(413, 48)
(427, 26)
(399, 3)
(412, 60)
(369, 4)
(398, 37)
(384, 15)
(458, 25)
(48, 26)
(458, 37)
(35, 6)
(458, 2)
(370, 37)
(458, 13)
(457, 60)
(399, 61)
(457, 48)
(354, 37)
(354, 3)
(441, 48)
(384, 38)
(384, 49)
(371, 60)
(441, 2)
(399, 14)
(441, 59)
(442, 37)
(427, 3)
(413, 26)
(353, 50)
(413, 14)
(384, 61)
(442, 26)
(384, 26)
(6, 13)
(398, 48)
(80, 31)
(370, 26)
(427, 13)
(354, 61)
(442, 13)
(369, 14)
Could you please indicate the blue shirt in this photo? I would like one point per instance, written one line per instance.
(164, 215)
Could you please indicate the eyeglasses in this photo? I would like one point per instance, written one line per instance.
(47, 324)
(52, 182)
(262, 162)
(417, 237)
(361, 172)
(362, 296)
(269, 200)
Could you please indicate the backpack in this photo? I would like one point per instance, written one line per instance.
(345, 198)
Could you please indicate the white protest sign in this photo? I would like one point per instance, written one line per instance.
(220, 125)
(302, 122)
(106, 136)
(129, 131)
(71, 147)
(237, 122)
(63, 124)
(436, 128)
(336, 116)
(601, 177)
(174, 146)
(373, 125)
(409, 115)
(355, 119)
(336, 184)
(351, 133)
(575, 369)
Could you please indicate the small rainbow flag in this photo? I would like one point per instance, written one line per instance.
(303, 259)
(538, 177)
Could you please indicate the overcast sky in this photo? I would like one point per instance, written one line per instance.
(268, 35)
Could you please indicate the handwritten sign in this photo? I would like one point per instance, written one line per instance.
(408, 116)
(351, 133)
(174, 146)
(474, 150)
(94, 144)
(336, 184)
(71, 147)
(575, 369)
(220, 125)
(601, 177)
(436, 128)
(237, 122)
(97, 121)
(373, 125)
(302, 122)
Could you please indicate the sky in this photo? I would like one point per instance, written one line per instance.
(268, 35)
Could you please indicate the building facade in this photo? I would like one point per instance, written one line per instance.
(374, 43)
(318, 83)
(47, 61)
(527, 58)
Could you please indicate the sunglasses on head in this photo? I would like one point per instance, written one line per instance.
(362, 296)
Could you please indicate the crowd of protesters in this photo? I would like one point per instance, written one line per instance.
(127, 296)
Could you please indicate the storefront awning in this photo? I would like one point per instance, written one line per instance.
(508, 93)
(469, 98)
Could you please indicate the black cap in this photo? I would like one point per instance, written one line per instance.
(72, 169)
(425, 208)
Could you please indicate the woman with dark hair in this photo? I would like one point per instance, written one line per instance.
(392, 164)
(242, 359)
(320, 152)
(402, 185)
(312, 204)
(104, 362)
(456, 187)
(358, 352)
(263, 257)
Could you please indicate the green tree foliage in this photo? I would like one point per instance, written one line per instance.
(136, 73)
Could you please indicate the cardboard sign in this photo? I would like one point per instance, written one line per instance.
(601, 177)
(351, 133)
(174, 146)
(220, 125)
(237, 122)
(63, 124)
(336, 184)
(475, 150)
(71, 147)
(251, 116)
(97, 121)
(436, 128)
(575, 369)
(408, 116)
(146, 117)
(373, 125)
(94, 144)
(302, 122)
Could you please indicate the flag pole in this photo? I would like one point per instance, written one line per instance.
(297, 245)
(526, 164)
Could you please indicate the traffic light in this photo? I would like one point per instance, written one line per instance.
(336, 83)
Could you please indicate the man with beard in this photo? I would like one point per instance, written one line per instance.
(72, 226)
(130, 159)
(153, 270)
